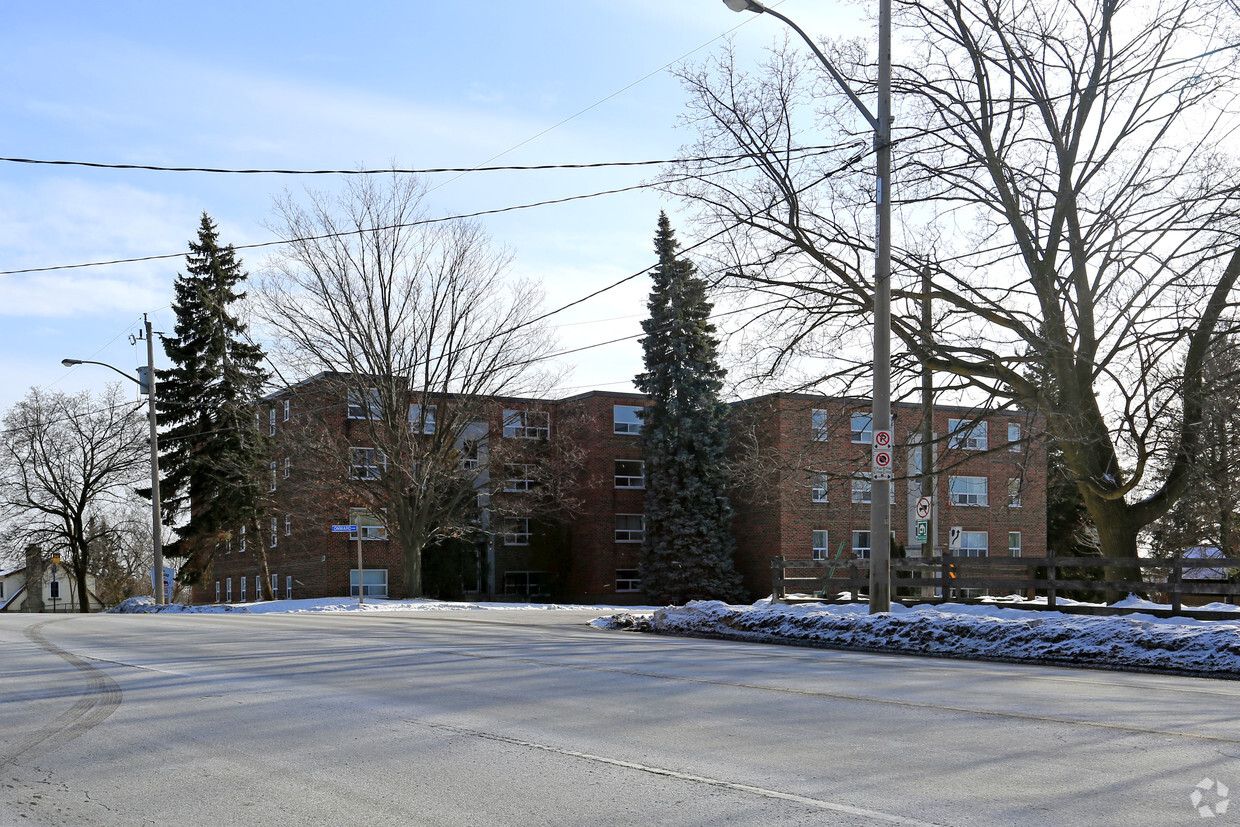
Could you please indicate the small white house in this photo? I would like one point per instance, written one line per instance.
(59, 592)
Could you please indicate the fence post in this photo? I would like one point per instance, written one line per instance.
(1050, 578)
(1177, 572)
(946, 576)
(777, 579)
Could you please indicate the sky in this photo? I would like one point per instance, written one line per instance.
(314, 85)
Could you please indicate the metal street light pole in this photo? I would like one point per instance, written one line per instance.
(881, 476)
(149, 388)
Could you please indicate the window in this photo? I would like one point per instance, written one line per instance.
(370, 526)
(217, 591)
(519, 477)
(288, 525)
(818, 421)
(241, 542)
(365, 463)
(271, 422)
(374, 582)
(364, 405)
(628, 580)
(861, 545)
(526, 582)
(1014, 486)
(228, 544)
(822, 549)
(861, 487)
(527, 424)
(228, 590)
(630, 473)
(288, 587)
(275, 587)
(517, 531)
(966, 434)
(818, 490)
(286, 410)
(1014, 436)
(469, 454)
(862, 428)
(627, 419)
(973, 544)
(630, 528)
(275, 532)
(422, 418)
(273, 475)
(968, 491)
(243, 588)
(1013, 543)
(288, 465)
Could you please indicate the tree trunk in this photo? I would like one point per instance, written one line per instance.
(413, 570)
(1117, 537)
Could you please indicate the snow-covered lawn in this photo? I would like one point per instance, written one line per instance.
(981, 632)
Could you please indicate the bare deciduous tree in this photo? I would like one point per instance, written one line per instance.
(64, 461)
(1061, 168)
(414, 326)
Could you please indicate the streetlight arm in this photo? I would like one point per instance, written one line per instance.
(73, 362)
(758, 8)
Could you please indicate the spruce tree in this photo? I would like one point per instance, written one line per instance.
(212, 450)
(688, 547)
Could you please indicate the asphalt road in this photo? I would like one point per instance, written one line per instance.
(533, 718)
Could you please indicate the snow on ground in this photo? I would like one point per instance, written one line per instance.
(990, 631)
(979, 632)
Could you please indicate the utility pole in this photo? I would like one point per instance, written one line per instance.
(148, 387)
(927, 481)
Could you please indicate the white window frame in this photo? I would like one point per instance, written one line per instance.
(820, 544)
(275, 532)
(820, 490)
(863, 435)
(1014, 443)
(372, 460)
(517, 531)
(820, 424)
(630, 425)
(626, 533)
(217, 591)
(968, 492)
(968, 434)
(1014, 544)
(631, 480)
(526, 424)
(288, 466)
(422, 418)
(242, 598)
(288, 525)
(519, 477)
(271, 422)
(861, 551)
(1015, 487)
(374, 583)
(628, 581)
(371, 526)
(273, 476)
(863, 487)
(286, 410)
(228, 590)
(241, 541)
(275, 587)
(356, 409)
(974, 544)
(288, 587)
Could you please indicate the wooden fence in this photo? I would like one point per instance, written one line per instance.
(923, 579)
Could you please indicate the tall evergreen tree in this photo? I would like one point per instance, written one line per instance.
(687, 550)
(212, 451)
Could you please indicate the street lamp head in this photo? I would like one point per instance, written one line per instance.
(745, 5)
(70, 362)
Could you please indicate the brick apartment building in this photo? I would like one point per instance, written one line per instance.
(802, 492)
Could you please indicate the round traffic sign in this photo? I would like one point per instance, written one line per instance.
(882, 459)
(923, 508)
(882, 439)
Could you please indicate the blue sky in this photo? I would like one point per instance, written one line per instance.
(323, 86)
